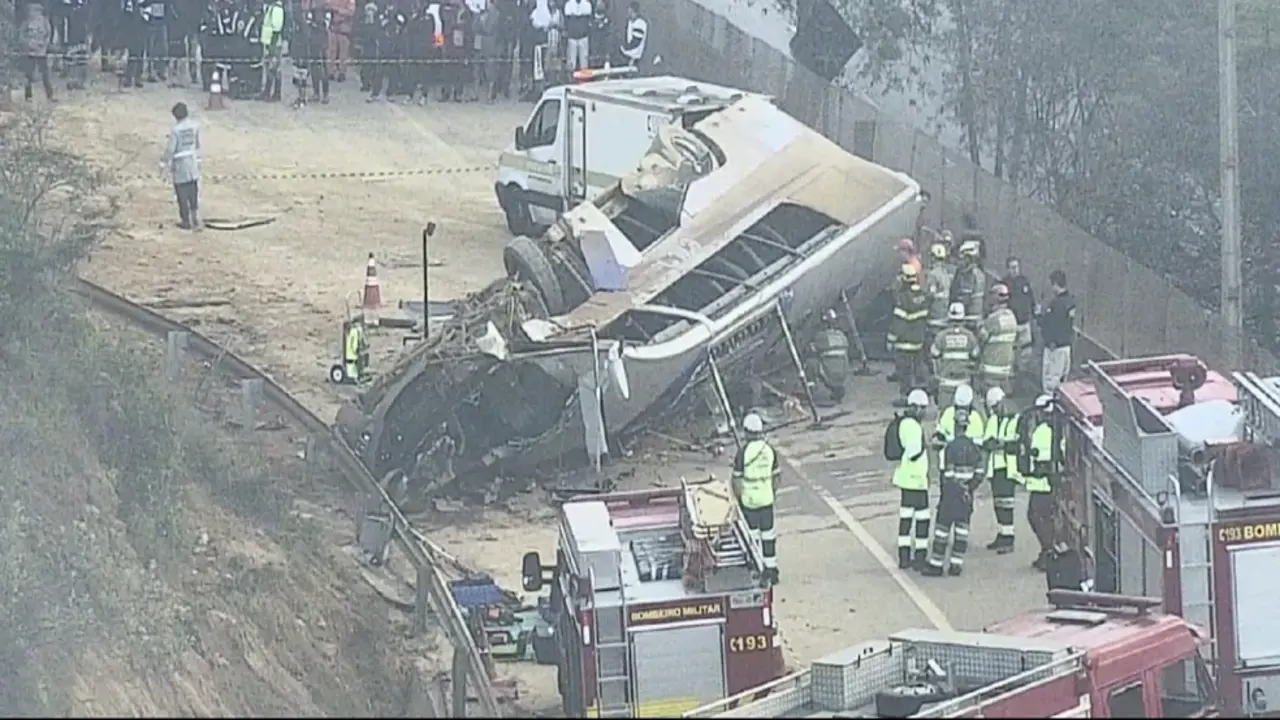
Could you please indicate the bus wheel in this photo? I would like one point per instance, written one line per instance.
(526, 262)
(516, 208)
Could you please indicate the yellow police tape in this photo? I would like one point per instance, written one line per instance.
(329, 175)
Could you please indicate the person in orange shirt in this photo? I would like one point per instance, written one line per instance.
(907, 251)
(340, 16)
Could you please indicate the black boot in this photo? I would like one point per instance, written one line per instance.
(929, 570)
(1040, 562)
(955, 570)
(921, 560)
(904, 558)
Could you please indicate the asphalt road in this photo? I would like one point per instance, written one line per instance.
(837, 522)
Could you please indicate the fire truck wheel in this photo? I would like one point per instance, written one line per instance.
(526, 261)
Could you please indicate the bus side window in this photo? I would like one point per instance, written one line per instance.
(1126, 701)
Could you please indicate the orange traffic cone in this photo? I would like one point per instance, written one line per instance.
(372, 301)
(215, 91)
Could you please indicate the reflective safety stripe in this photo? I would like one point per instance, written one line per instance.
(907, 346)
(912, 315)
(955, 355)
(833, 353)
(1001, 370)
(1004, 337)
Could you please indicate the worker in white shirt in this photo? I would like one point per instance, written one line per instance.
(635, 38)
(182, 160)
(577, 31)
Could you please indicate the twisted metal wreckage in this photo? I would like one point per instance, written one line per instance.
(693, 267)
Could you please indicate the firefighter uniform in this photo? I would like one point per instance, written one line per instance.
(960, 472)
(1000, 441)
(1038, 462)
(969, 287)
(955, 353)
(911, 477)
(999, 337)
(938, 283)
(217, 42)
(755, 471)
(829, 358)
(907, 332)
(944, 431)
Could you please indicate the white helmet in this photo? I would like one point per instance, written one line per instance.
(995, 396)
(753, 423)
(964, 396)
(917, 398)
(955, 311)
(1044, 402)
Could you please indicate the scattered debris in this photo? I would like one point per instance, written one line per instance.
(243, 223)
(176, 304)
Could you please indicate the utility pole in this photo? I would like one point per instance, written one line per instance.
(1229, 157)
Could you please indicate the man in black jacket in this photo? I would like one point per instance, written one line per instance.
(1057, 329)
(1022, 301)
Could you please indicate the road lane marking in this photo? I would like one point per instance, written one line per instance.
(918, 598)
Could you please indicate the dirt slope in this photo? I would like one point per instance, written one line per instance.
(153, 563)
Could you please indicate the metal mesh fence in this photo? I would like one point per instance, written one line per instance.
(1124, 307)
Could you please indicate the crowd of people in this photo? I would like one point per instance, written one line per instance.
(455, 50)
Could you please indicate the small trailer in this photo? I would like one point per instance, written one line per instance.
(1089, 655)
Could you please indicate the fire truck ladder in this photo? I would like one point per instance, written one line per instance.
(1195, 544)
(613, 659)
(713, 526)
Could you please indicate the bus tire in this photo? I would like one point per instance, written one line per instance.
(516, 208)
(525, 261)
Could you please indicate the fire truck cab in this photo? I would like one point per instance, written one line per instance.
(1168, 482)
(1089, 655)
(661, 602)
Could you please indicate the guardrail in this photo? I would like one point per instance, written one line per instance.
(432, 588)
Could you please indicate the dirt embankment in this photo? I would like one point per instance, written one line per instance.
(153, 563)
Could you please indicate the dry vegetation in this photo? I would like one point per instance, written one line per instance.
(152, 563)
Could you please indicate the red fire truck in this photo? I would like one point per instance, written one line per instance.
(660, 600)
(1169, 485)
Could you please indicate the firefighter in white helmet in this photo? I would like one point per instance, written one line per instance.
(970, 284)
(755, 477)
(955, 351)
(945, 429)
(1000, 442)
(1038, 458)
(960, 471)
(904, 444)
